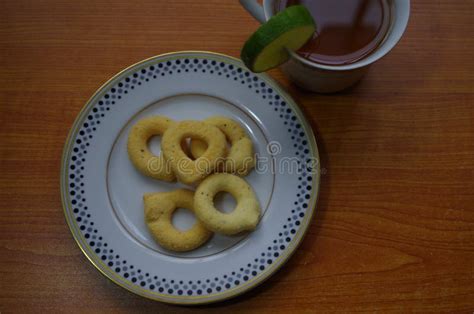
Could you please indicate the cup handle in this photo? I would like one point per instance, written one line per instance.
(255, 9)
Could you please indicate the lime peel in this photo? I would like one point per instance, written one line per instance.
(268, 47)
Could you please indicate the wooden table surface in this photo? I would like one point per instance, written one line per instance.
(394, 228)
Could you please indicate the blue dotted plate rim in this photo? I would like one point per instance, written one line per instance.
(174, 295)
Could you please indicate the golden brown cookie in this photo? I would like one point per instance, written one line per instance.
(240, 159)
(187, 170)
(244, 217)
(138, 152)
(159, 209)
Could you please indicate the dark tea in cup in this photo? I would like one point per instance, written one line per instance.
(346, 30)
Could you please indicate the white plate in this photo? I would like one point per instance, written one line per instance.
(102, 192)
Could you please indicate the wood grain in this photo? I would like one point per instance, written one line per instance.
(394, 229)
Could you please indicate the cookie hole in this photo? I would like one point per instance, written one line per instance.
(224, 202)
(205, 148)
(183, 219)
(154, 145)
(186, 145)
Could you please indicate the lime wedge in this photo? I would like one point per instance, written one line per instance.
(268, 46)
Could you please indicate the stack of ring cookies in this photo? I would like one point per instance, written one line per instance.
(220, 152)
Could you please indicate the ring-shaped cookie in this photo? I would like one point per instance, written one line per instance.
(244, 217)
(240, 159)
(159, 209)
(144, 160)
(187, 170)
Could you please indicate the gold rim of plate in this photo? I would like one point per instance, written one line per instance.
(203, 299)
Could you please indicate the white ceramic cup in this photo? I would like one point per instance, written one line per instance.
(327, 78)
